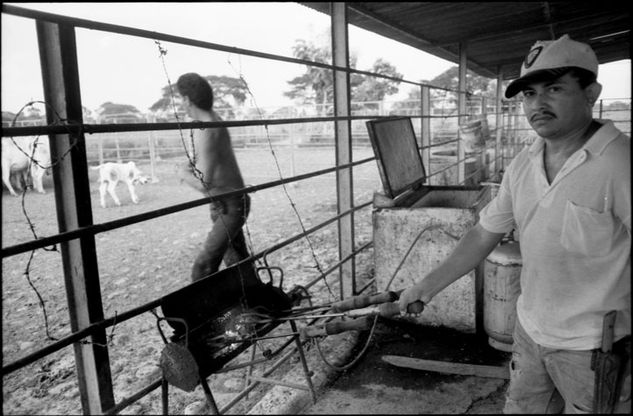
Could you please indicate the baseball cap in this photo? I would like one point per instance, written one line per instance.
(551, 59)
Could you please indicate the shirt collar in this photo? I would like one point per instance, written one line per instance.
(596, 144)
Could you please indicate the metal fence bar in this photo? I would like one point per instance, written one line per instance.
(98, 228)
(91, 128)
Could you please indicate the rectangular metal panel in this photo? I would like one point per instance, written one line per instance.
(399, 161)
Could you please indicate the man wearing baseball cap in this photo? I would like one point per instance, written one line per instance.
(569, 196)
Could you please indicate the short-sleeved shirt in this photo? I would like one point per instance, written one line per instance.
(575, 239)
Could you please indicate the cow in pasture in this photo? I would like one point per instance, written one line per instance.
(25, 158)
(110, 174)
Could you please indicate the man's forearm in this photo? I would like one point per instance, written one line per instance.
(476, 244)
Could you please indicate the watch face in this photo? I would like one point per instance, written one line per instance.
(531, 57)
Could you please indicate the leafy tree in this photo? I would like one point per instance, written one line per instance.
(616, 106)
(223, 88)
(449, 79)
(113, 108)
(374, 89)
(315, 86)
(112, 112)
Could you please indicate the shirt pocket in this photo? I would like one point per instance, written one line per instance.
(587, 231)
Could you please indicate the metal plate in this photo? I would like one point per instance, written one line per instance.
(397, 154)
(209, 308)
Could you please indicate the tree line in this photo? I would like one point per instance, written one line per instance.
(314, 87)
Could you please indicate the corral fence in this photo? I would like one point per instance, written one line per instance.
(342, 129)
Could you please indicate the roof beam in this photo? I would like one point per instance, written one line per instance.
(596, 19)
(548, 19)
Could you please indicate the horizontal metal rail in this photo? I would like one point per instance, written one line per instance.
(79, 335)
(154, 385)
(133, 398)
(107, 226)
(339, 263)
(131, 127)
(126, 30)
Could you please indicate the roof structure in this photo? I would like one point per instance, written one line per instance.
(496, 35)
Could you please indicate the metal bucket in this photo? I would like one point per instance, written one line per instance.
(501, 290)
(472, 135)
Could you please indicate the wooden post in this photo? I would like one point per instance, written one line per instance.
(118, 150)
(100, 139)
(58, 57)
(343, 143)
(152, 150)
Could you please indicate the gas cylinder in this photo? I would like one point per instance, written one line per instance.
(501, 290)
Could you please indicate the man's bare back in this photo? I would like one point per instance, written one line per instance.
(213, 170)
(215, 162)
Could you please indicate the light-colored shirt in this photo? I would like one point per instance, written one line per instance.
(575, 237)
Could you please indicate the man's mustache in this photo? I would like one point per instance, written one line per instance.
(541, 114)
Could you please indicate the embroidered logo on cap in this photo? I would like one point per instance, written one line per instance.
(531, 57)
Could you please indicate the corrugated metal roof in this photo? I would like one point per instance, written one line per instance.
(498, 35)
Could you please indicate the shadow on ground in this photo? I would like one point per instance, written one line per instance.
(375, 387)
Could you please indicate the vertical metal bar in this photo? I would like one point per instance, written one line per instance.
(515, 148)
(600, 113)
(58, 56)
(425, 132)
(498, 121)
(249, 370)
(483, 156)
(100, 139)
(165, 395)
(461, 108)
(509, 143)
(343, 139)
(152, 155)
(213, 407)
(304, 363)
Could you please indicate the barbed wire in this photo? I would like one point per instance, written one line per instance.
(33, 160)
(196, 172)
(283, 185)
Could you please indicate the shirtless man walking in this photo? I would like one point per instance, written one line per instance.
(214, 170)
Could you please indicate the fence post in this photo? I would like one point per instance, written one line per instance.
(116, 143)
(343, 146)
(100, 141)
(425, 132)
(60, 76)
(292, 132)
(600, 113)
(152, 155)
(152, 150)
(483, 175)
(461, 109)
(498, 122)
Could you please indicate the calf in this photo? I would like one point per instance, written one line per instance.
(110, 174)
(21, 155)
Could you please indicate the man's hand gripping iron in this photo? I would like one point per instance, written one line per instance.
(360, 307)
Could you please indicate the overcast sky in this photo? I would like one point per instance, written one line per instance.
(129, 70)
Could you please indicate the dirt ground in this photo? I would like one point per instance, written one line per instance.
(375, 387)
(145, 261)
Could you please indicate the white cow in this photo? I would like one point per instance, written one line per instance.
(16, 160)
(110, 174)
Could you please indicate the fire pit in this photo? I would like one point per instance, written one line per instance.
(208, 331)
